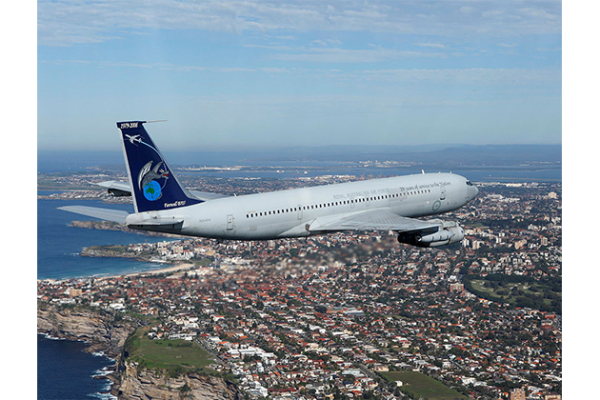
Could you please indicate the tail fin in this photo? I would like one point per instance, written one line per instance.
(154, 187)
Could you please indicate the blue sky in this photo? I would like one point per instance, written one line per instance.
(244, 74)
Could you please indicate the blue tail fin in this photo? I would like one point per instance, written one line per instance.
(154, 187)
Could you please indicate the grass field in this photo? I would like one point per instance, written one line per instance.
(174, 356)
(418, 385)
(506, 292)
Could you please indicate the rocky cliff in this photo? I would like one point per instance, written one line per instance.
(143, 384)
(108, 334)
(82, 323)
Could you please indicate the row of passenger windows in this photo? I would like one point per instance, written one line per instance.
(335, 204)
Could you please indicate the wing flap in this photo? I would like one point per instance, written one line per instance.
(96, 212)
(377, 220)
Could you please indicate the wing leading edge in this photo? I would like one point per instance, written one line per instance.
(375, 220)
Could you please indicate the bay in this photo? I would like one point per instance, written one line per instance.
(60, 245)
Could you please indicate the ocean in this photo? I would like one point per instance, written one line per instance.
(66, 372)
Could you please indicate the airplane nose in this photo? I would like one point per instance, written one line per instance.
(474, 192)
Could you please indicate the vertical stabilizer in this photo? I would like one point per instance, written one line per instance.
(154, 186)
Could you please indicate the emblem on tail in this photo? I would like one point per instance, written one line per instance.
(148, 180)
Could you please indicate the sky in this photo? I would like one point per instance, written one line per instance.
(261, 74)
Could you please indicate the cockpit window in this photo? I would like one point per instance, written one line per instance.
(469, 183)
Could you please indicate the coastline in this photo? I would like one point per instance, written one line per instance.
(96, 329)
(105, 336)
(94, 345)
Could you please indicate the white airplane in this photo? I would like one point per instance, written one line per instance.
(162, 204)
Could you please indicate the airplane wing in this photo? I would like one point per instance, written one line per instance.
(119, 188)
(375, 220)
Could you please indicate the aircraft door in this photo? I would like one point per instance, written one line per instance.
(443, 193)
(300, 213)
(230, 222)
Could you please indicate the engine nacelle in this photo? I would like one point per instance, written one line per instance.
(447, 233)
(118, 192)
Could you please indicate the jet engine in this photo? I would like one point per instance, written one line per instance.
(446, 233)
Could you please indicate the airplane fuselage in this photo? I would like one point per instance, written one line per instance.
(162, 204)
(300, 212)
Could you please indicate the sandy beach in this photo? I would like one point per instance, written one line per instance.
(173, 268)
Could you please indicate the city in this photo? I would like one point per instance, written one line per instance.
(343, 315)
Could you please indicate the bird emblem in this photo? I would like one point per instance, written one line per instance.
(147, 180)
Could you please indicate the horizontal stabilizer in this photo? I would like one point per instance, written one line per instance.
(206, 196)
(116, 188)
(103, 213)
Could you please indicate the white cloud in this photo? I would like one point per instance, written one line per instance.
(492, 13)
(67, 22)
(434, 45)
(478, 76)
(327, 42)
(337, 55)
(492, 76)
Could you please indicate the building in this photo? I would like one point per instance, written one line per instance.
(517, 394)
(457, 287)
